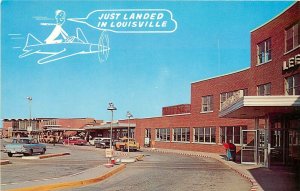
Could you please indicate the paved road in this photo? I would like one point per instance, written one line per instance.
(22, 170)
(172, 172)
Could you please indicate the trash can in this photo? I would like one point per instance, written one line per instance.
(230, 151)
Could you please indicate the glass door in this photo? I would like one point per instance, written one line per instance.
(249, 147)
(278, 144)
(147, 140)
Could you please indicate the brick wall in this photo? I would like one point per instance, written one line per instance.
(272, 71)
(249, 79)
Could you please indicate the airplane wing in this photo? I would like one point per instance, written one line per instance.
(28, 52)
(57, 56)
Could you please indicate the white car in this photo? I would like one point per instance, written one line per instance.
(24, 145)
(92, 141)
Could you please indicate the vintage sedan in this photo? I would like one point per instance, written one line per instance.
(94, 140)
(103, 143)
(74, 141)
(24, 145)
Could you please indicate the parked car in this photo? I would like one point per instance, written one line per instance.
(123, 144)
(74, 141)
(102, 143)
(95, 139)
(24, 145)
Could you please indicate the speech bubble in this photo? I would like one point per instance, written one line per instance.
(130, 20)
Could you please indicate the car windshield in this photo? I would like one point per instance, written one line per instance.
(22, 141)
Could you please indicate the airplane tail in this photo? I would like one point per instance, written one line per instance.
(81, 36)
(31, 40)
(103, 47)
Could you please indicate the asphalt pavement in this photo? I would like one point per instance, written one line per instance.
(276, 178)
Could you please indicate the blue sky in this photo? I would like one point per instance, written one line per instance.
(143, 73)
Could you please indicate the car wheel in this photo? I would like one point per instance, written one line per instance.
(43, 152)
(10, 154)
(30, 152)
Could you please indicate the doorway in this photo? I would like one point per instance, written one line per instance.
(249, 147)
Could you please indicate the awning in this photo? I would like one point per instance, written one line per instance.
(107, 126)
(63, 129)
(249, 107)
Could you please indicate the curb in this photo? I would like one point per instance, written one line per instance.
(72, 184)
(4, 162)
(254, 185)
(45, 156)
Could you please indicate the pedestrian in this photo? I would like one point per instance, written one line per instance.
(54, 140)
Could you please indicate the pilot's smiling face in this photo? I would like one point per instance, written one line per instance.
(60, 18)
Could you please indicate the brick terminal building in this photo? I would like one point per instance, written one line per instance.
(257, 108)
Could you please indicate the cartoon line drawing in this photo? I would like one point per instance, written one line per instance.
(58, 51)
(68, 46)
(60, 17)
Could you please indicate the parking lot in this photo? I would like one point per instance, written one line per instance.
(22, 170)
(164, 171)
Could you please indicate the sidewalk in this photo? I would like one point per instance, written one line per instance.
(261, 178)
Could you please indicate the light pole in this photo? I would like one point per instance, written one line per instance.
(111, 107)
(29, 102)
(129, 115)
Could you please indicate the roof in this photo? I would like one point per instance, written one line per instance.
(221, 75)
(250, 107)
(274, 17)
(108, 125)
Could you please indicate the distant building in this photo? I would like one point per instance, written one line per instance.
(38, 126)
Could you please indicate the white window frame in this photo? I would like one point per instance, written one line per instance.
(266, 89)
(162, 134)
(196, 132)
(184, 134)
(233, 134)
(294, 87)
(295, 29)
(207, 104)
(266, 54)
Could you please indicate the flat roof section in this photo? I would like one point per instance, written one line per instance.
(107, 126)
(250, 107)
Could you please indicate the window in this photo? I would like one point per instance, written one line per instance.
(162, 135)
(264, 51)
(292, 39)
(292, 85)
(205, 135)
(181, 134)
(231, 133)
(264, 90)
(231, 97)
(207, 103)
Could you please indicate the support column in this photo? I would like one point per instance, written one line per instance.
(256, 139)
(267, 142)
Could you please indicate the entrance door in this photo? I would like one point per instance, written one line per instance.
(147, 140)
(277, 146)
(249, 147)
(262, 155)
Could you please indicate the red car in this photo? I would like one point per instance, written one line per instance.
(74, 141)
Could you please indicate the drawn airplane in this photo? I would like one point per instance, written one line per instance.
(58, 51)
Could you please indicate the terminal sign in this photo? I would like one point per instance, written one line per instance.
(292, 62)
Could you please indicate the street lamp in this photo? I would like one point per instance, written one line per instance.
(29, 102)
(129, 115)
(111, 107)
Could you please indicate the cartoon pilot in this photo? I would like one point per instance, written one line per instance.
(60, 17)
